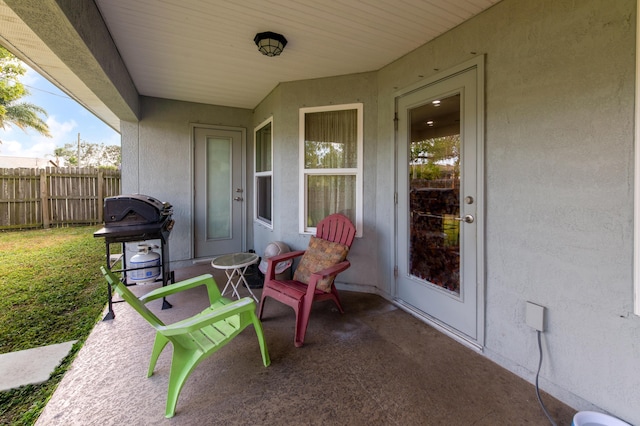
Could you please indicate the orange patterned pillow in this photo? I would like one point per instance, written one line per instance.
(320, 255)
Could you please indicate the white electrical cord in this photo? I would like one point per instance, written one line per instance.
(546, 413)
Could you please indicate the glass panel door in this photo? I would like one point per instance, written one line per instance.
(219, 208)
(439, 177)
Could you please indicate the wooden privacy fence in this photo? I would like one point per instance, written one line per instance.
(53, 197)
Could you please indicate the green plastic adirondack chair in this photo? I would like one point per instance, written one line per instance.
(194, 338)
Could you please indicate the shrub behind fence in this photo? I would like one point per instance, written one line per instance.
(53, 197)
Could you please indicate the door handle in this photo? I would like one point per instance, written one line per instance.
(466, 218)
(238, 199)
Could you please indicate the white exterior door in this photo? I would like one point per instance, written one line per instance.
(219, 198)
(439, 215)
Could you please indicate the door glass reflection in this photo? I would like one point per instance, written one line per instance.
(434, 197)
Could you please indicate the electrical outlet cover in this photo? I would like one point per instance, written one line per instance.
(535, 316)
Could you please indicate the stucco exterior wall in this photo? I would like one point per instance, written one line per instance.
(559, 196)
(559, 123)
(285, 102)
(157, 159)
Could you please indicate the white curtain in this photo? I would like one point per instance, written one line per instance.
(331, 139)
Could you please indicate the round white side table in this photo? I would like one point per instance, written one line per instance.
(234, 266)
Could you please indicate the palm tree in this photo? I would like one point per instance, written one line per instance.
(23, 115)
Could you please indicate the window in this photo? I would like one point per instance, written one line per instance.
(263, 173)
(636, 202)
(331, 141)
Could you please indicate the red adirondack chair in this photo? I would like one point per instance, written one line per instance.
(313, 279)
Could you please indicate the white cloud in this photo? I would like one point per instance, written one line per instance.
(15, 148)
(32, 144)
(39, 150)
(60, 131)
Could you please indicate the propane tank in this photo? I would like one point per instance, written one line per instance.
(149, 260)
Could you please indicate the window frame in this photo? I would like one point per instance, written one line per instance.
(257, 175)
(355, 171)
(636, 201)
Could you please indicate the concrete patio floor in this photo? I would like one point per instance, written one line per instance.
(374, 365)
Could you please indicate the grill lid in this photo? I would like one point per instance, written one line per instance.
(135, 209)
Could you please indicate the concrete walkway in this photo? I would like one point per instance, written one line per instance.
(31, 366)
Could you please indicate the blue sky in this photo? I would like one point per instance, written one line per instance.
(66, 118)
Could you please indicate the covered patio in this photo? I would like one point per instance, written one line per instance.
(548, 96)
(374, 365)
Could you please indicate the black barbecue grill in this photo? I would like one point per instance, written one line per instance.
(135, 218)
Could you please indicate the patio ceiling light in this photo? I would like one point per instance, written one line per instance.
(270, 44)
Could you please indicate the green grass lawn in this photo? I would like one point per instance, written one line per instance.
(51, 291)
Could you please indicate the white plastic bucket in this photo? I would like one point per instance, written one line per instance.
(593, 418)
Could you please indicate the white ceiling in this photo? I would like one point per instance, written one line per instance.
(203, 50)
